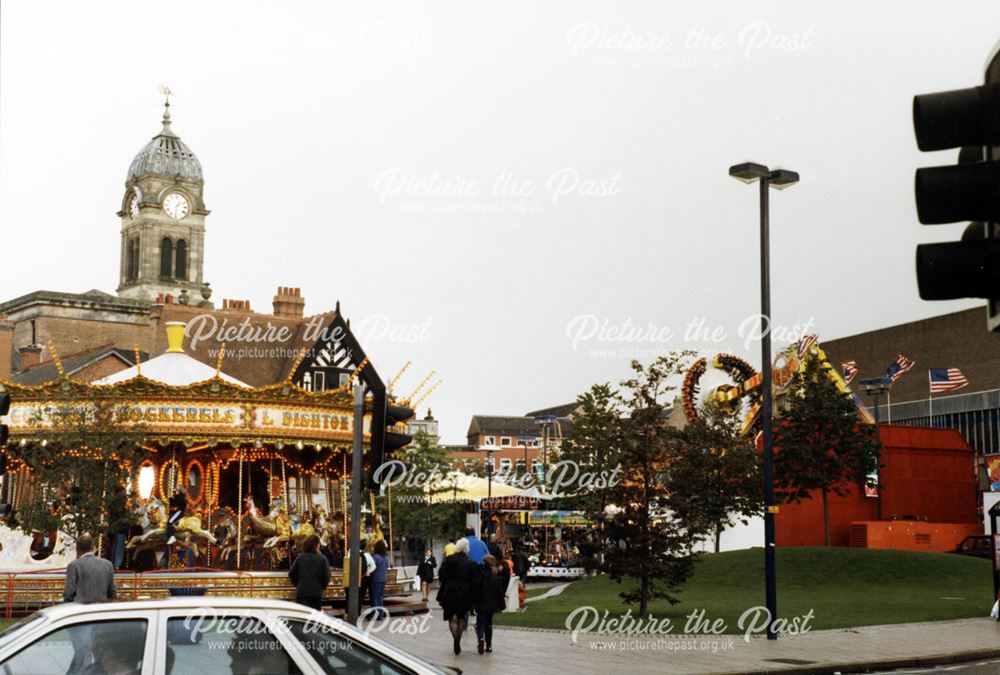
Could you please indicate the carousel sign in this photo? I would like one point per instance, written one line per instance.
(168, 416)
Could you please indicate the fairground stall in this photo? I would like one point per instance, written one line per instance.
(263, 467)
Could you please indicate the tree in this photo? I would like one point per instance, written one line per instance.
(421, 507)
(820, 444)
(717, 470)
(649, 529)
(593, 445)
(82, 455)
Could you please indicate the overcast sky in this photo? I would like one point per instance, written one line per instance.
(492, 181)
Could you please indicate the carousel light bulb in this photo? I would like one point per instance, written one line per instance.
(147, 478)
(299, 445)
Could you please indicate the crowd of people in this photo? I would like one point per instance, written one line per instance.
(480, 577)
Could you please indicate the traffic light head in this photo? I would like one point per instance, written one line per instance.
(952, 119)
(961, 269)
(969, 190)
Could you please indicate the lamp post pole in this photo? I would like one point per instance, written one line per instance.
(354, 558)
(875, 387)
(770, 582)
(778, 178)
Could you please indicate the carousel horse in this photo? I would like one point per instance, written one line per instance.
(290, 530)
(154, 536)
(227, 532)
(326, 527)
(265, 526)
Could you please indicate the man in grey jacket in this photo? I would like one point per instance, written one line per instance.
(88, 579)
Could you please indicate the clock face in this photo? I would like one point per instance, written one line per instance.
(176, 206)
(133, 206)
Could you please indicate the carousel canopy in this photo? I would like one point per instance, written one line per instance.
(462, 487)
(173, 367)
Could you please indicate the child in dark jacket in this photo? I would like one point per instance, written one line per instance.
(491, 601)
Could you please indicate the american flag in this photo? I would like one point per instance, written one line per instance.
(898, 367)
(946, 379)
(850, 370)
(805, 343)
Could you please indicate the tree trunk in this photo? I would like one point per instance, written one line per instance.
(718, 535)
(826, 516)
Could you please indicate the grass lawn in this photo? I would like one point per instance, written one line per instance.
(843, 586)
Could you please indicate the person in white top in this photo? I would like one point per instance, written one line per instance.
(366, 580)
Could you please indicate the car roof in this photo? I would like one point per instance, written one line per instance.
(190, 602)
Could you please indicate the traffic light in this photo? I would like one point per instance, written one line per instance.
(394, 439)
(393, 436)
(969, 190)
(4, 431)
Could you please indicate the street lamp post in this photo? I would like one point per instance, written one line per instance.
(875, 387)
(545, 421)
(489, 472)
(749, 172)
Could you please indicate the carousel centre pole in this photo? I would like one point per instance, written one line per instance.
(354, 558)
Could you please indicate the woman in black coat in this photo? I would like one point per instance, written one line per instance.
(492, 592)
(459, 590)
(311, 574)
(425, 570)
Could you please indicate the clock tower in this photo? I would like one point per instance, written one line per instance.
(163, 221)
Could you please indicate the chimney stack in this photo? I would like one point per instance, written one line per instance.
(289, 303)
(6, 348)
(31, 355)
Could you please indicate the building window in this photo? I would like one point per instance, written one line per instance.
(491, 440)
(504, 465)
(132, 260)
(505, 441)
(519, 466)
(319, 380)
(181, 266)
(166, 258)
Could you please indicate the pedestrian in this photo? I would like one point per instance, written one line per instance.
(459, 579)
(449, 548)
(88, 579)
(178, 505)
(491, 600)
(493, 546)
(379, 577)
(425, 570)
(521, 564)
(477, 549)
(368, 568)
(310, 573)
(510, 582)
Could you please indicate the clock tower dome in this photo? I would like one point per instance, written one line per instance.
(163, 220)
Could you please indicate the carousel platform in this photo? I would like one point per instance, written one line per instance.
(25, 592)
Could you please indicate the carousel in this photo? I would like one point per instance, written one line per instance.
(262, 467)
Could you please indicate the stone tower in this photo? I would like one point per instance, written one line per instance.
(163, 221)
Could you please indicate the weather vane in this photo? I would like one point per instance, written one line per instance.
(165, 90)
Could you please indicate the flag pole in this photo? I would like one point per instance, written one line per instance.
(930, 401)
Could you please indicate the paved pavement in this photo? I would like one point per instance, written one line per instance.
(846, 650)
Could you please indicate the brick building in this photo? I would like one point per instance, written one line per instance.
(515, 441)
